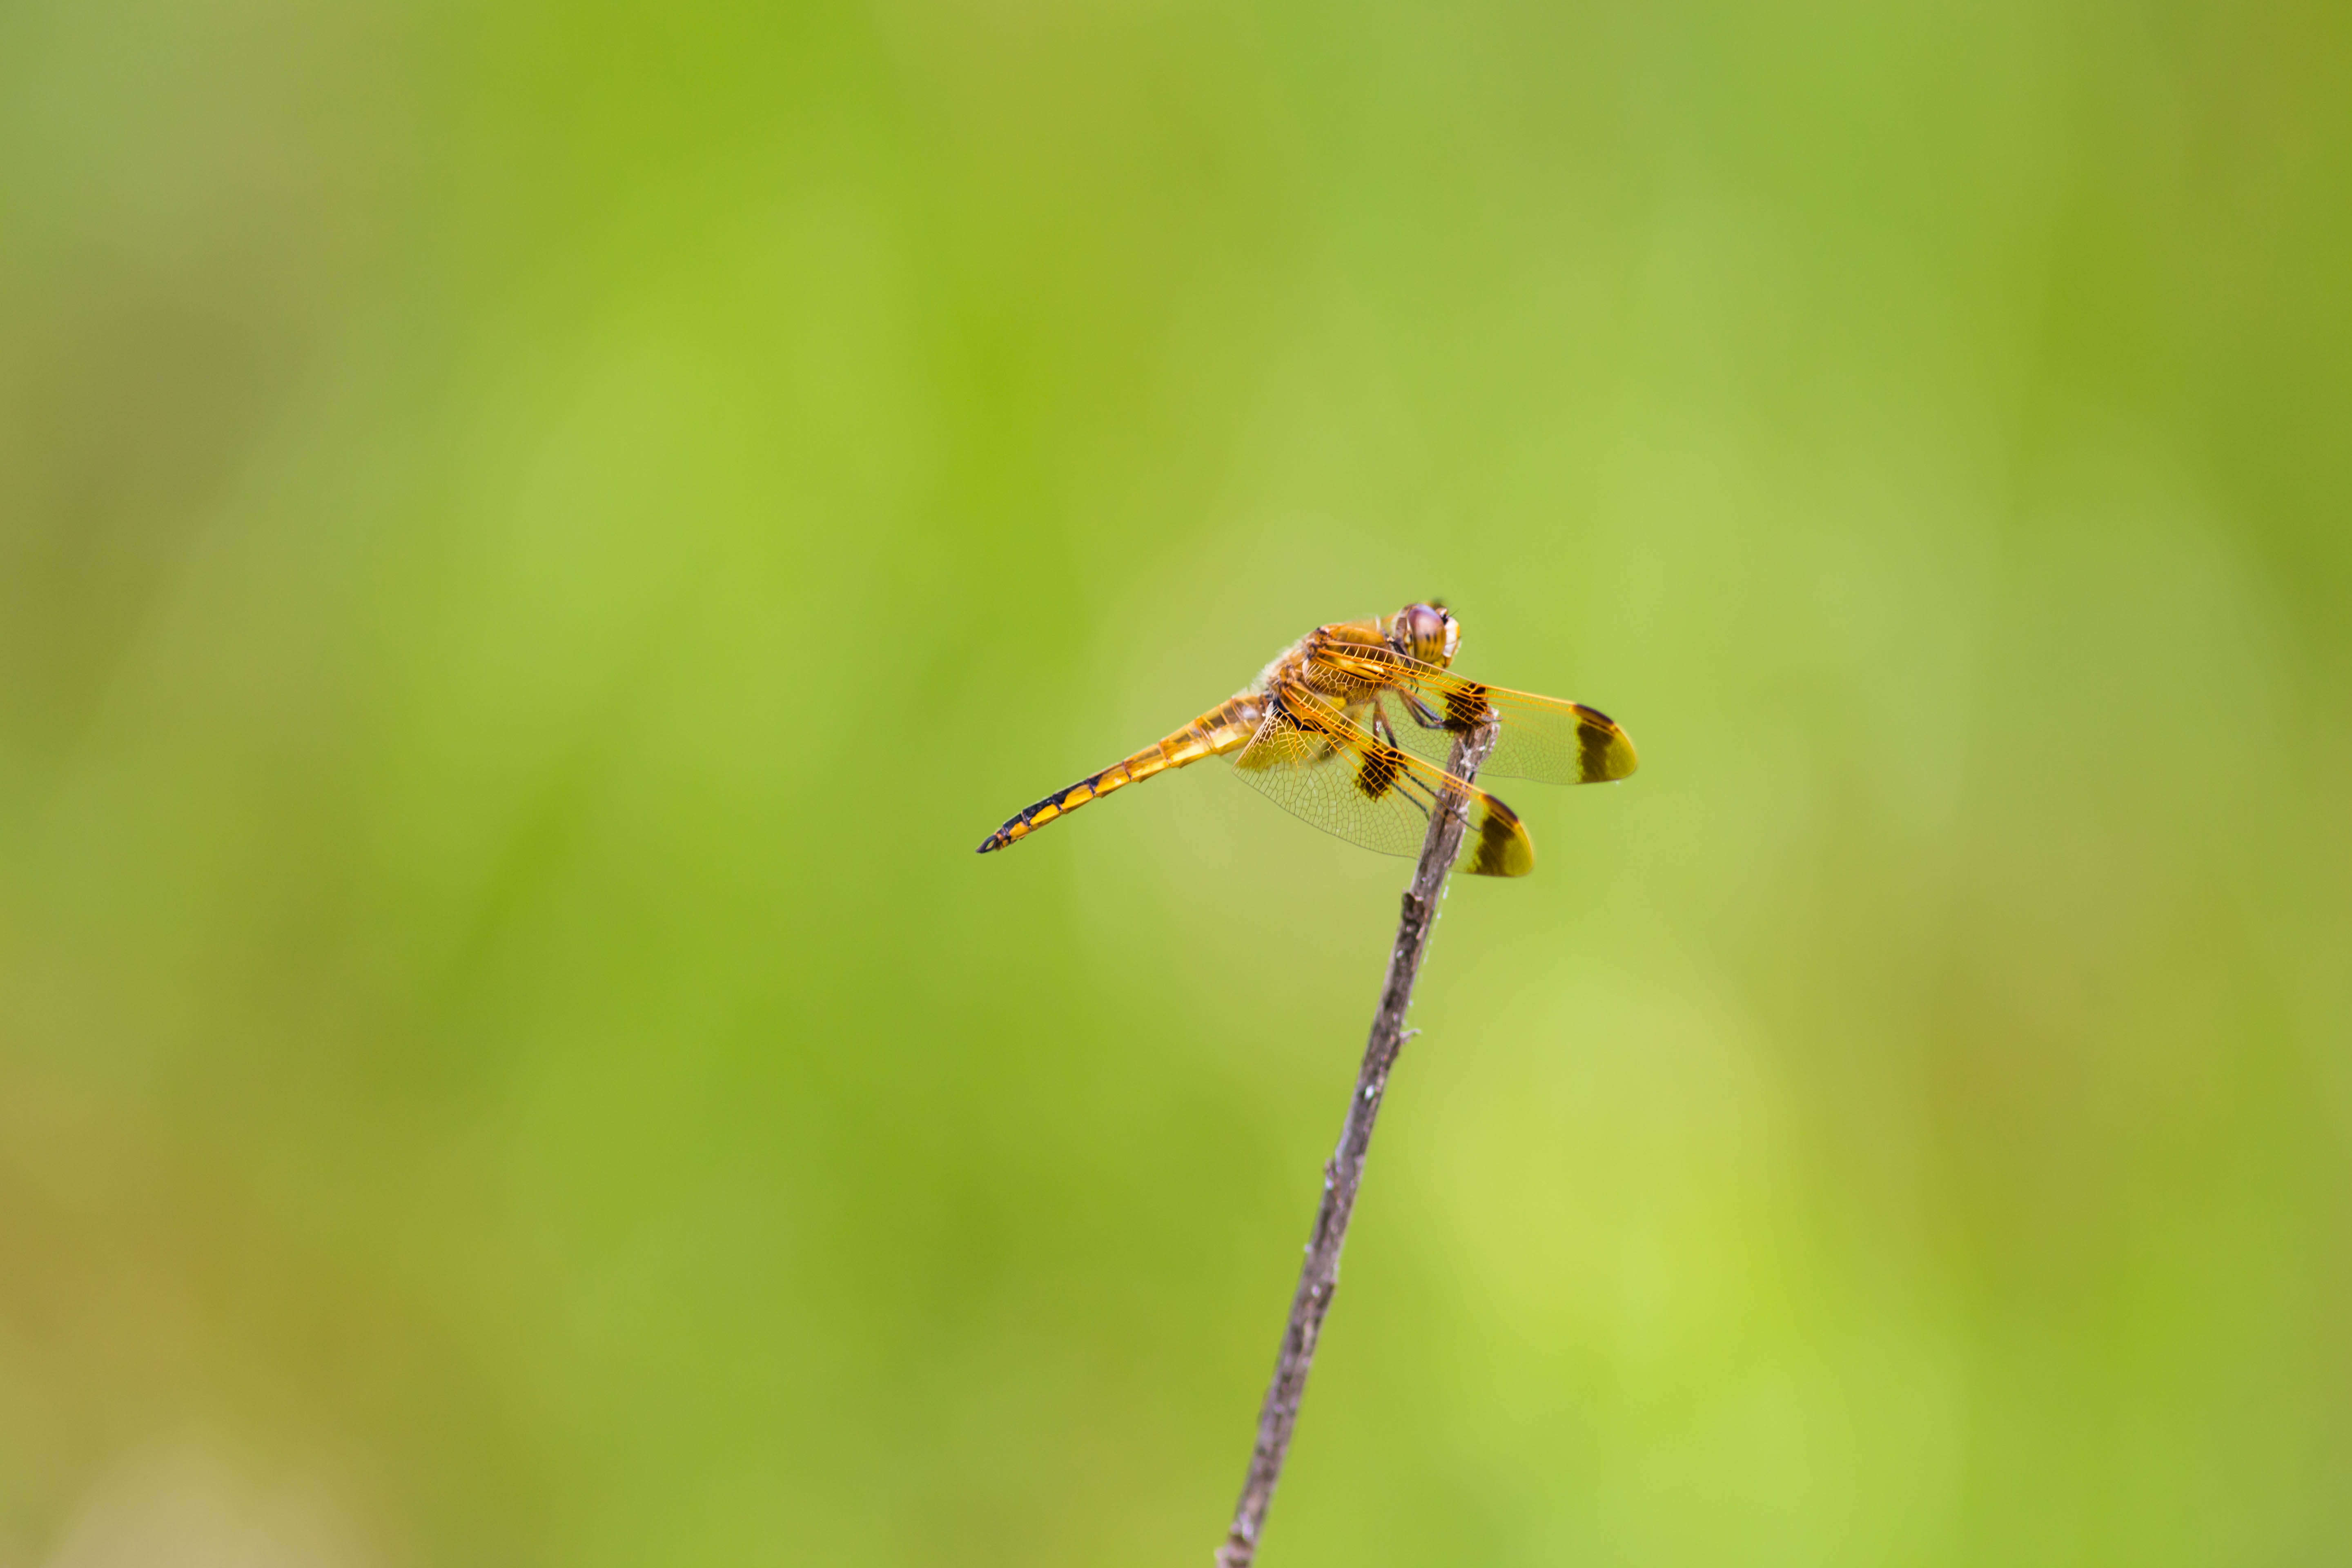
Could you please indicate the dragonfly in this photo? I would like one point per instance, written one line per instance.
(1352, 727)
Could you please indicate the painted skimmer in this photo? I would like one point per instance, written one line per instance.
(1350, 728)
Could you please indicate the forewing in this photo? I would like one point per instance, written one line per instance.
(1540, 738)
(1315, 763)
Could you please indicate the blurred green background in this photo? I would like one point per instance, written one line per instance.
(535, 538)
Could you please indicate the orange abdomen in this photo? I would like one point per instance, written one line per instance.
(1221, 729)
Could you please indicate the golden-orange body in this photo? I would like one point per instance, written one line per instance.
(1324, 727)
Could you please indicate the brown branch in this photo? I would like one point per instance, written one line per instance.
(1319, 1277)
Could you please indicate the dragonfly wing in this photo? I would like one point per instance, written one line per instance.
(1540, 738)
(1314, 761)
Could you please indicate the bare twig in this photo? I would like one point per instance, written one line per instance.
(1319, 1277)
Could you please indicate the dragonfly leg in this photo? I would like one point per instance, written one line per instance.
(1423, 713)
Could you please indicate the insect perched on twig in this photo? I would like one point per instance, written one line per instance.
(1349, 728)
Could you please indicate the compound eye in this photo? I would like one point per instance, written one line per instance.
(1431, 632)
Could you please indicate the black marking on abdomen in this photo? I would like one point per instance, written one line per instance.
(1027, 815)
(1465, 707)
(1382, 766)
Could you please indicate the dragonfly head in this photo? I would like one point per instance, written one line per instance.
(1428, 633)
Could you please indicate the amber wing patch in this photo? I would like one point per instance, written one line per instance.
(1547, 739)
(1312, 760)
